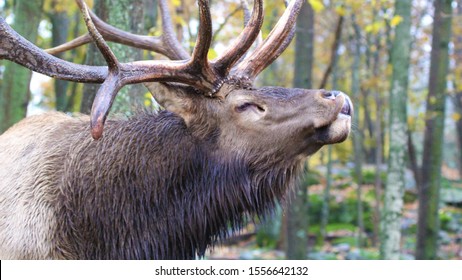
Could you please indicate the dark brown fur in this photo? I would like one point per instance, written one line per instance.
(165, 196)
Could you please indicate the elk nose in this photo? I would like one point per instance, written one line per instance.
(331, 94)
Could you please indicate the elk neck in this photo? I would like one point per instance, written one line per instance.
(150, 190)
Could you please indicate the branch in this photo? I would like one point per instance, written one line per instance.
(334, 49)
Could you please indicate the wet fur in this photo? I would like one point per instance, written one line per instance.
(148, 190)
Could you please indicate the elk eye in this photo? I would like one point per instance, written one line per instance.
(249, 105)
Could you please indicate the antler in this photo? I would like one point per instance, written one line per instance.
(194, 70)
(167, 44)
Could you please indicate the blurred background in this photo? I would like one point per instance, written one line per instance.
(393, 190)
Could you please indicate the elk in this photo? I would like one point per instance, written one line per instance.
(167, 184)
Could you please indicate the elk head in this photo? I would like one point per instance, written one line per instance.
(213, 97)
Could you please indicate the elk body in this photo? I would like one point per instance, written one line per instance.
(160, 185)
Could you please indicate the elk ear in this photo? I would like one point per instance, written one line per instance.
(174, 98)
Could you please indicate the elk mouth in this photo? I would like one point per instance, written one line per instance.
(339, 128)
(347, 108)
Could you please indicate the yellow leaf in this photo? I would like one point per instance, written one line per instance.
(176, 3)
(396, 20)
(340, 10)
(317, 5)
(456, 116)
(375, 27)
(147, 99)
(212, 54)
(411, 121)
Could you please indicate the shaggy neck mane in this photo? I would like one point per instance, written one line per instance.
(149, 190)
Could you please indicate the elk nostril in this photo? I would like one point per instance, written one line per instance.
(329, 94)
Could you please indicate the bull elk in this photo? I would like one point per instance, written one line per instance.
(164, 185)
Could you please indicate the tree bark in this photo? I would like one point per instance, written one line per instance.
(394, 190)
(429, 192)
(14, 88)
(297, 219)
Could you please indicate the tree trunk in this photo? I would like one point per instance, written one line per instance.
(458, 106)
(332, 68)
(394, 190)
(150, 14)
(428, 223)
(378, 148)
(304, 48)
(326, 198)
(297, 219)
(60, 29)
(457, 98)
(357, 139)
(14, 88)
(71, 101)
(126, 15)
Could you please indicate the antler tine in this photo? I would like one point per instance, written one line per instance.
(276, 42)
(204, 36)
(113, 34)
(167, 44)
(168, 34)
(75, 43)
(199, 64)
(98, 38)
(242, 44)
(111, 86)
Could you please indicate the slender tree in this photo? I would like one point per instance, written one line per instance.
(332, 68)
(357, 139)
(394, 190)
(60, 29)
(14, 89)
(457, 97)
(428, 223)
(297, 222)
(457, 100)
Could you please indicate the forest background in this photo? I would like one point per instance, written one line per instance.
(393, 190)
